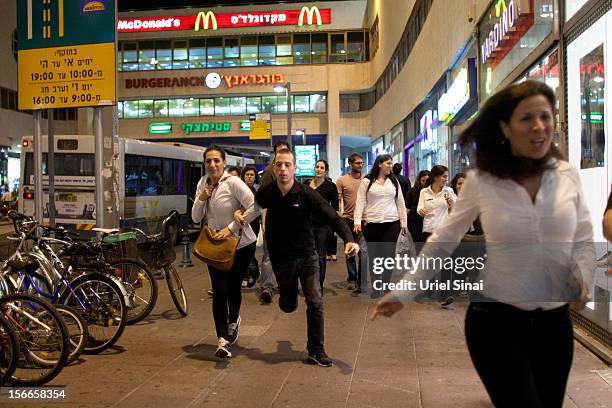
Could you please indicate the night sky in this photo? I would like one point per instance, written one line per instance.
(126, 5)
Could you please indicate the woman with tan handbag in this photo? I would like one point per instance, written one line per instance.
(218, 195)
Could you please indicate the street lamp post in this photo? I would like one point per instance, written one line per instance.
(287, 89)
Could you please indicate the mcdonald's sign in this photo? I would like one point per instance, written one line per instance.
(207, 16)
(207, 19)
(309, 12)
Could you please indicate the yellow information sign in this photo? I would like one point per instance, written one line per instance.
(260, 126)
(72, 76)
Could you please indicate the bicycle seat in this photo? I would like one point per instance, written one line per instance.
(106, 230)
(23, 264)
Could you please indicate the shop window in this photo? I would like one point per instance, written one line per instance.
(119, 56)
(197, 53)
(281, 105)
(180, 55)
(301, 48)
(164, 54)
(337, 49)
(146, 56)
(248, 51)
(318, 103)
(301, 104)
(145, 108)
(130, 109)
(269, 103)
(592, 94)
(319, 48)
(253, 104)
(267, 50)
(283, 50)
(214, 48)
(191, 107)
(231, 53)
(238, 105)
(120, 110)
(160, 108)
(207, 106)
(130, 56)
(349, 103)
(222, 106)
(175, 107)
(355, 46)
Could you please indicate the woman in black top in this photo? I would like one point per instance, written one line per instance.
(415, 221)
(327, 189)
(251, 179)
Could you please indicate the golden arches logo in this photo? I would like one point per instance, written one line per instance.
(310, 13)
(208, 17)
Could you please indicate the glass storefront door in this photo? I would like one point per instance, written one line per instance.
(589, 58)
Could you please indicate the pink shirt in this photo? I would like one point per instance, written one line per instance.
(347, 188)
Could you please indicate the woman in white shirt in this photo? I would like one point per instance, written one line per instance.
(436, 200)
(218, 196)
(381, 213)
(540, 254)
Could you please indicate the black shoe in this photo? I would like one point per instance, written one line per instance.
(320, 359)
(446, 304)
(266, 296)
(251, 282)
(232, 331)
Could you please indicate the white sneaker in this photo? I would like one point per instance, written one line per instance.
(223, 348)
(232, 331)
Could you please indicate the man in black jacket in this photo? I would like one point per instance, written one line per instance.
(290, 240)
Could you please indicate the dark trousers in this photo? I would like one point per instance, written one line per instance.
(523, 358)
(307, 271)
(381, 239)
(445, 275)
(332, 243)
(226, 286)
(321, 235)
(353, 263)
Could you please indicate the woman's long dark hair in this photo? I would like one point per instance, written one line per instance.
(456, 180)
(493, 152)
(375, 172)
(417, 182)
(436, 171)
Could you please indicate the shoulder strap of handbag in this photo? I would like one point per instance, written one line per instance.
(205, 219)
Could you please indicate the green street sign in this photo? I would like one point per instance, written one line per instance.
(59, 23)
(160, 128)
(245, 126)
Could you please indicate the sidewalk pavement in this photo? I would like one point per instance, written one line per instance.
(418, 358)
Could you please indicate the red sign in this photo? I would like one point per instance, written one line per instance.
(208, 20)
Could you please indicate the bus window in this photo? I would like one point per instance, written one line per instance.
(66, 164)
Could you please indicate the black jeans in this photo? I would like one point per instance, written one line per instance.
(522, 357)
(380, 239)
(321, 235)
(332, 243)
(226, 286)
(353, 263)
(307, 271)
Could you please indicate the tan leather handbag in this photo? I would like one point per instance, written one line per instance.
(218, 253)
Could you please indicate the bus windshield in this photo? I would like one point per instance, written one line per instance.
(66, 164)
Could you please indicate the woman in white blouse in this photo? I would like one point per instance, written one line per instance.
(540, 255)
(218, 196)
(436, 200)
(381, 213)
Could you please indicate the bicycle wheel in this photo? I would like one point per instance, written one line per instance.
(77, 330)
(100, 301)
(175, 286)
(42, 337)
(9, 351)
(144, 287)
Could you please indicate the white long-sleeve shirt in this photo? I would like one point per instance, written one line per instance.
(533, 249)
(230, 195)
(380, 204)
(436, 209)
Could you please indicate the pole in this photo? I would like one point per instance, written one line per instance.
(99, 163)
(288, 91)
(38, 186)
(51, 167)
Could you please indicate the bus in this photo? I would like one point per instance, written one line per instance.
(150, 180)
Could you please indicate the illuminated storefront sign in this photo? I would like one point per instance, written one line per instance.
(212, 80)
(510, 20)
(459, 93)
(305, 159)
(245, 126)
(205, 127)
(208, 20)
(160, 128)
